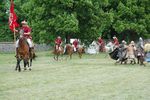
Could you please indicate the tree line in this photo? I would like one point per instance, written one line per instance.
(83, 19)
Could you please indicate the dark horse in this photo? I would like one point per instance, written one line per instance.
(140, 54)
(23, 54)
(58, 52)
(80, 51)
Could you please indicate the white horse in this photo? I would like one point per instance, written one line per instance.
(109, 47)
(93, 48)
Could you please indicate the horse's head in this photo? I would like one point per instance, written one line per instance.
(22, 41)
(23, 49)
(69, 47)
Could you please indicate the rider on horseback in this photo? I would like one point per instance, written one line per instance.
(115, 42)
(25, 32)
(101, 44)
(75, 45)
(141, 43)
(121, 50)
(58, 42)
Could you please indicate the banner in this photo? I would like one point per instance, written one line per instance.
(12, 18)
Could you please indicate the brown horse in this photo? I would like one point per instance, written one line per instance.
(80, 51)
(58, 52)
(69, 50)
(23, 54)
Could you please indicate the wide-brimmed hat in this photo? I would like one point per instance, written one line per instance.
(114, 37)
(24, 22)
(58, 37)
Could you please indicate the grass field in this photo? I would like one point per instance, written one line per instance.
(93, 77)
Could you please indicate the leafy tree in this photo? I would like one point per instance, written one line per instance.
(5, 34)
(84, 19)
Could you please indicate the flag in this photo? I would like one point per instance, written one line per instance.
(12, 18)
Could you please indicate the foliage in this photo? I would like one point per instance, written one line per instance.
(83, 19)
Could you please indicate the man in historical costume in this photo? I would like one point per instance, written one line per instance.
(131, 54)
(101, 44)
(75, 45)
(25, 31)
(141, 43)
(58, 42)
(122, 51)
(115, 42)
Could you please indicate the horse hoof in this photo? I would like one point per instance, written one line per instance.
(30, 69)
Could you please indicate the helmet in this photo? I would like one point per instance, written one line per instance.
(132, 42)
(123, 41)
(140, 39)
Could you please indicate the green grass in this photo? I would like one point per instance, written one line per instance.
(93, 77)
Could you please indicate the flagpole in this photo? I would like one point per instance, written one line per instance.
(15, 39)
(14, 34)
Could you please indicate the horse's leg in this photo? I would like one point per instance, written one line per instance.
(18, 65)
(57, 57)
(30, 61)
(70, 56)
(138, 59)
(18, 62)
(24, 61)
(54, 56)
(134, 61)
(141, 60)
(80, 55)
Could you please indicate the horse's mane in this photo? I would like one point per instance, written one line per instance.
(22, 41)
(68, 46)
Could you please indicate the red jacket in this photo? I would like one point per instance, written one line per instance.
(58, 41)
(26, 29)
(100, 41)
(115, 42)
(75, 43)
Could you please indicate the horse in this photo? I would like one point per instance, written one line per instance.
(69, 50)
(140, 55)
(80, 50)
(58, 52)
(23, 54)
(109, 47)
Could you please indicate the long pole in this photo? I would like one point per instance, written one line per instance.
(15, 39)
(14, 34)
